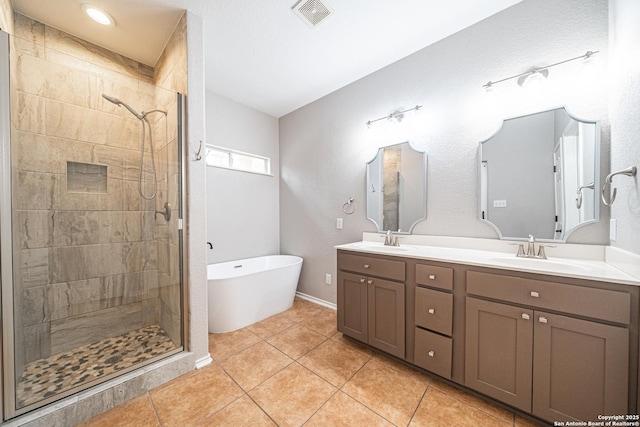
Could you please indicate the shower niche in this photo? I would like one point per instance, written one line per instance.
(94, 274)
(86, 178)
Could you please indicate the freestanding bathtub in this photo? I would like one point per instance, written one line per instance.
(249, 290)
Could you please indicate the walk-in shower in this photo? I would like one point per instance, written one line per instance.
(91, 275)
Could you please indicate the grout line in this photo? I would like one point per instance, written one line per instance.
(155, 410)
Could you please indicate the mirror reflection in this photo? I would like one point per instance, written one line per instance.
(397, 188)
(537, 176)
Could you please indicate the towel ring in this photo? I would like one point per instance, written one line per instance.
(608, 180)
(349, 207)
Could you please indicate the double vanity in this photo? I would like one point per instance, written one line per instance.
(555, 338)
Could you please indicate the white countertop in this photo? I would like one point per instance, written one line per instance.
(587, 267)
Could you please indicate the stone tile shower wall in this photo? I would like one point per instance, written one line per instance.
(91, 261)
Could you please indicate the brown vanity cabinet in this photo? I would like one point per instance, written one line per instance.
(557, 348)
(551, 365)
(433, 317)
(371, 301)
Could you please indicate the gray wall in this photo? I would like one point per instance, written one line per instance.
(324, 146)
(625, 119)
(242, 207)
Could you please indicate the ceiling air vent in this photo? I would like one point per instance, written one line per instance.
(313, 12)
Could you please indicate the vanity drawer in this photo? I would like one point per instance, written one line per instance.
(437, 277)
(596, 303)
(370, 266)
(433, 352)
(434, 310)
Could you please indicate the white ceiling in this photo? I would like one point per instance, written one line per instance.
(259, 53)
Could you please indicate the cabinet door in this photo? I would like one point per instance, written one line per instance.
(352, 305)
(386, 315)
(498, 351)
(580, 368)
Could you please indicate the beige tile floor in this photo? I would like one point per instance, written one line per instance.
(295, 369)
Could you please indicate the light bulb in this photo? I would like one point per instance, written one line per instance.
(98, 15)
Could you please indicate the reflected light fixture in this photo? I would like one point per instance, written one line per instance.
(397, 116)
(98, 15)
(537, 75)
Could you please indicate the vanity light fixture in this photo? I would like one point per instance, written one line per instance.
(395, 116)
(98, 15)
(533, 74)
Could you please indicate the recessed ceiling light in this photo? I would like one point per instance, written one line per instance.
(98, 15)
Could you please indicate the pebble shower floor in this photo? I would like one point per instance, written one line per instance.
(44, 378)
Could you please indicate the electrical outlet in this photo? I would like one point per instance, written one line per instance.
(339, 223)
(327, 279)
(499, 203)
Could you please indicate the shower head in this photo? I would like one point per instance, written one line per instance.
(122, 104)
(112, 99)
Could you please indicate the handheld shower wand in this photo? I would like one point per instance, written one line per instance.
(122, 104)
(145, 122)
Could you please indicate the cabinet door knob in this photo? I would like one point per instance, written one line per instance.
(432, 311)
(542, 319)
(369, 281)
(431, 353)
(362, 280)
(366, 266)
(525, 316)
(535, 294)
(432, 277)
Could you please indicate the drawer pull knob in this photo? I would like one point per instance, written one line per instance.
(542, 319)
(366, 266)
(432, 311)
(535, 294)
(369, 281)
(362, 280)
(525, 316)
(432, 277)
(431, 353)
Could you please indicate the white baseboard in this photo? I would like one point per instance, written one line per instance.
(317, 300)
(204, 361)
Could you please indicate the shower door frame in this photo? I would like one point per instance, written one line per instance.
(8, 386)
(6, 250)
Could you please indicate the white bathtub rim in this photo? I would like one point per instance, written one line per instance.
(298, 260)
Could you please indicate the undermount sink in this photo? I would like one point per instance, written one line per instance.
(542, 264)
(382, 248)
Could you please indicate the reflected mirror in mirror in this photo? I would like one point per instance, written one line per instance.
(539, 175)
(397, 188)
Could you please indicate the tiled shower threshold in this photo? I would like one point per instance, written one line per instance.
(47, 377)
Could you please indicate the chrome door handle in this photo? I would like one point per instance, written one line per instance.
(542, 319)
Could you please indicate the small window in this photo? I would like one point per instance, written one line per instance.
(230, 159)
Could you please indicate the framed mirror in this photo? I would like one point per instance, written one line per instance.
(397, 188)
(539, 175)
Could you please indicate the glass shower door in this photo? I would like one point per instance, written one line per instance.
(95, 260)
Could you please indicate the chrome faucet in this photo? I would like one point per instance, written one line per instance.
(390, 240)
(531, 249)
